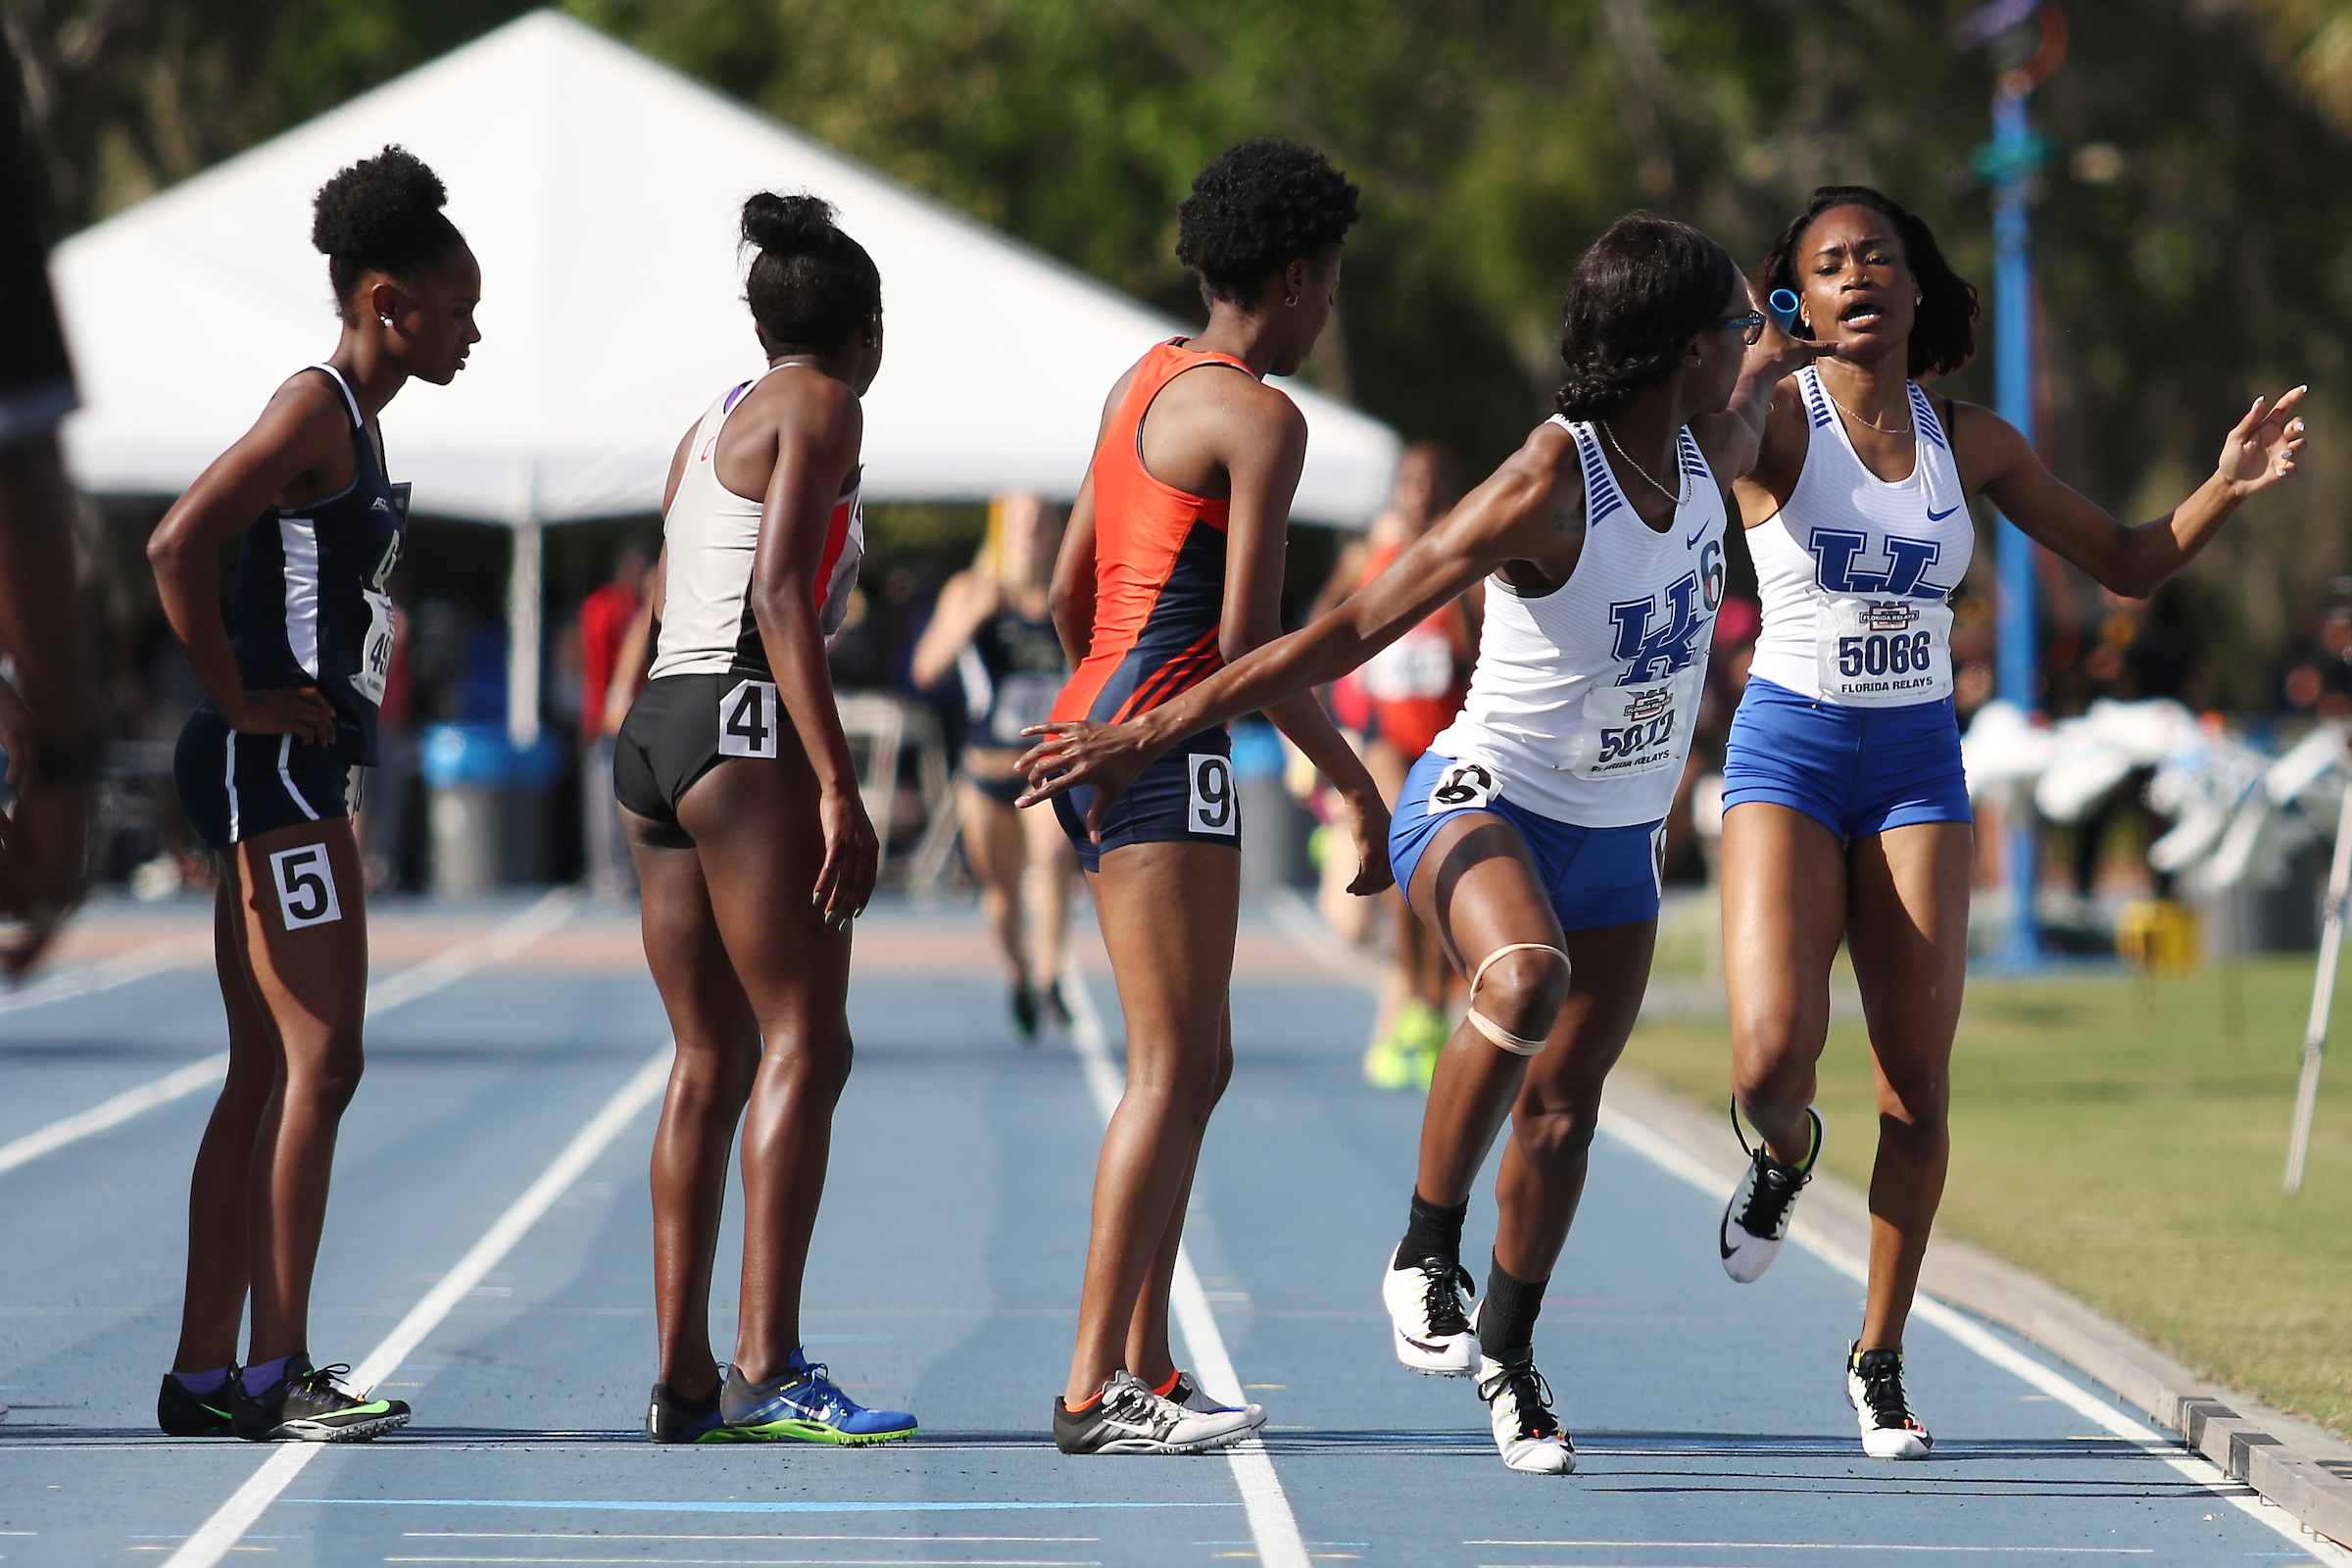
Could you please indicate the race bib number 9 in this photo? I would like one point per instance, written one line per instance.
(1635, 731)
(306, 886)
(1462, 787)
(1885, 653)
(1213, 807)
(747, 720)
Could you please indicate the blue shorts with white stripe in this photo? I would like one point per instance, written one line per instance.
(234, 787)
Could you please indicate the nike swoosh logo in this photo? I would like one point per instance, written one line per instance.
(1694, 538)
(1418, 1346)
(1938, 517)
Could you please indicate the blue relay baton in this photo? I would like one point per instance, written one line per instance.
(1783, 306)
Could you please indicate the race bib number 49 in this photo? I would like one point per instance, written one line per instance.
(747, 720)
(1885, 653)
(1211, 808)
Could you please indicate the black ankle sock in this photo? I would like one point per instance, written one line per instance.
(1433, 1232)
(1507, 1323)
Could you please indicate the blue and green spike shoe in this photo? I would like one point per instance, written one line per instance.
(309, 1407)
(803, 1405)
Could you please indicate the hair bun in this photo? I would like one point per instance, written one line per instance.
(788, 226)
(376, 204)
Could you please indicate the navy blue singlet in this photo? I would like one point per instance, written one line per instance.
(312, 605)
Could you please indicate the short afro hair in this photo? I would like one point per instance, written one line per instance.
(1944, 333)
(382, 215)
(1261, 206)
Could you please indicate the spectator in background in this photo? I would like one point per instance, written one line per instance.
(52, 746)
(606, 617)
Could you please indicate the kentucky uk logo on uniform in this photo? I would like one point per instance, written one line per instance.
(1839, 569)
(1653, 648)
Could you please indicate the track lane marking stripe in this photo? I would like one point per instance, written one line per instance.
(119, 970)
(215, 1538)
(1273, 1524)
(502, 942)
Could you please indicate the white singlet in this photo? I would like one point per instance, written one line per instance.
(1855, 572)
(1583, 699)
(712, 533)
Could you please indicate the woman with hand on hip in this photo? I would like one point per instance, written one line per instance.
(263, 768)
(1846, 811)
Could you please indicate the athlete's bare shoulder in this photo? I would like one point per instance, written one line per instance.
(1529, 514)
(1764, 489)
(1984, 446)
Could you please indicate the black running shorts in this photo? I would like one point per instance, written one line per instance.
(681, 727)
(1187, 797)
(236, 787)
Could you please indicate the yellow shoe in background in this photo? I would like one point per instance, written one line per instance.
(1422, 1031)
(1389, 1060)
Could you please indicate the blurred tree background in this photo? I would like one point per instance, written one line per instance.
(2192, 235)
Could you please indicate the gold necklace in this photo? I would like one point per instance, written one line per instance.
(1856, 417)
(1682, 475)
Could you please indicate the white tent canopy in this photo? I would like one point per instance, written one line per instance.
(601, 191)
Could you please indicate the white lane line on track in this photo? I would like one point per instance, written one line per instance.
(219, 1533)
(1653, 1145)
(502, 942)
(1272, 1525)
(122, 968)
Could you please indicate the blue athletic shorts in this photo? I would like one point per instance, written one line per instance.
(236, 787)
(1597, 876)
(1855, 770)
(1187, 795)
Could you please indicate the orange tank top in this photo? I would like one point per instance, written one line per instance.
(1159, 565)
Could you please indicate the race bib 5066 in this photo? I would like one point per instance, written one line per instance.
(1884, 652)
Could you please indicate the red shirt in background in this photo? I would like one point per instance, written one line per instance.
(604, 618)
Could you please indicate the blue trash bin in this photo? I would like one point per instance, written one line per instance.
(488, 804)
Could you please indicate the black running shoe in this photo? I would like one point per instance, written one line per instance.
(1057, 1006)
(183, 1414)
(1025, 1011)
(1756, 1220)
(673, 1418)
(1874, 1387)
(308, 1407)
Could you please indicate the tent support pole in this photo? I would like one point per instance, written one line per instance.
(524, 594)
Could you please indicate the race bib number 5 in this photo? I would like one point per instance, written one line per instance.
(747, 720)
(1213, 807)
(1885, 653)
(306, 886)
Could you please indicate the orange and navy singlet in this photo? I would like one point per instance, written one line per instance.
(1414, 685)
(1159, 565)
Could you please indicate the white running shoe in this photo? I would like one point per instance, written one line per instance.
(1429, 1317)
(1196, 1398)
(1756, 1220)
(1129, 1418)
(1529, 1439)
(1874, 1387)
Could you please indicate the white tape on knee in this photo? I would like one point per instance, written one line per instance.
(1516, 1045)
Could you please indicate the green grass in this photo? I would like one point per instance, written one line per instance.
(2117, 1136)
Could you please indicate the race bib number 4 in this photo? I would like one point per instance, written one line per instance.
(747, 720)
(1634, 731)
(306, 886)
(1462, 787)
(1885, 653)
(1213, 807)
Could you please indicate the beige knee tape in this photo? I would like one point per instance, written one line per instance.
(1516, 1045)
